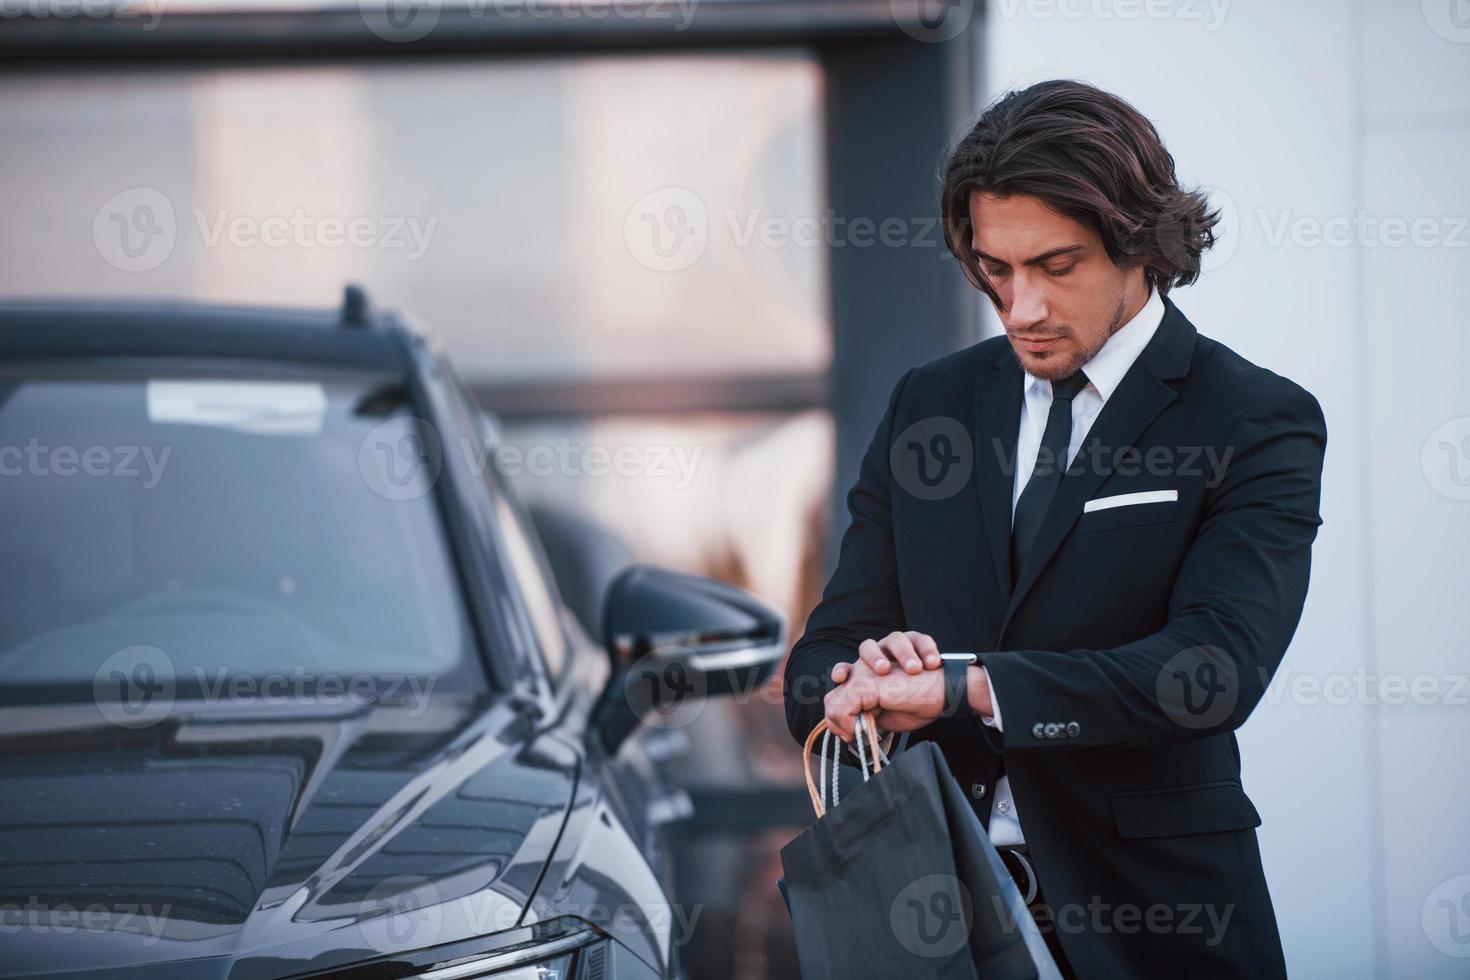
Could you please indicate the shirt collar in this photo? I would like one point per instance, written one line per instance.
(1106, 369)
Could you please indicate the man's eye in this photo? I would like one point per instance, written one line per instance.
(996, 273)
(1062, 271)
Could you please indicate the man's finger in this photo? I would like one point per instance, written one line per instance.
(927, 648)
(901, 649)
(843, 704)
(840, 672)
(839, 713)
(839, 722)
(872, 654)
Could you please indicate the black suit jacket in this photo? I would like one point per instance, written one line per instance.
(1126, 651)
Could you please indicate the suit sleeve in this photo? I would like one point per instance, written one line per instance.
(1235, 604)
(861, 600)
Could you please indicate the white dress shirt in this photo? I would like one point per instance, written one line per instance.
(1104, 373)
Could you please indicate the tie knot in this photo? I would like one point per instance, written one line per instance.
(1066, 389)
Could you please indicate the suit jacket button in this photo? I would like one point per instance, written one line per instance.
(1038, 730)
(977, 789)
(1052, 728)
(1073, 729)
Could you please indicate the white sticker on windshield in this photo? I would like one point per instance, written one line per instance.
(262, 407)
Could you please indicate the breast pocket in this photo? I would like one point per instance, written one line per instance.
(1128, 515)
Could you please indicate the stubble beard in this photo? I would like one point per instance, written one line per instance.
(1051, 368)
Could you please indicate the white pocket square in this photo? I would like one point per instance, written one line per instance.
(1129, 499)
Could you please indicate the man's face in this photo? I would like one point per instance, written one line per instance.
(1061, 296)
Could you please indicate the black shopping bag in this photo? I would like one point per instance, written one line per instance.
(900, 880)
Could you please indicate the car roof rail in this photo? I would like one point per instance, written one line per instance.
(356, 310)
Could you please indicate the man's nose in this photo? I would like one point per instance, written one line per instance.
(1028, 307)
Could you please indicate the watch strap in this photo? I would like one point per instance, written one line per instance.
(957, 687)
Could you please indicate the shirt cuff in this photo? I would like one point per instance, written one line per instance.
(993, 720)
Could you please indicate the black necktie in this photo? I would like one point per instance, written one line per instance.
(1051, 463)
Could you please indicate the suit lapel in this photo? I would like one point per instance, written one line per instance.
(997, 423)
(1140, 397)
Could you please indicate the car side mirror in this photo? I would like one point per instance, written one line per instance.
(675, 639)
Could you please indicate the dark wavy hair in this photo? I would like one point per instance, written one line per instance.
(1091, 157)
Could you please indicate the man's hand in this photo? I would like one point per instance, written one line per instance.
(914, 651)
(902, 701)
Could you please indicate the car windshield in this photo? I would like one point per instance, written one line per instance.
(218, 528)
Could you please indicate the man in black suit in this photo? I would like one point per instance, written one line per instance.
(1114, 514)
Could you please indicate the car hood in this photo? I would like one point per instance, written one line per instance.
(252, 844)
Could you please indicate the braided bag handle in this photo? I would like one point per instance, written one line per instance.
(865, 728)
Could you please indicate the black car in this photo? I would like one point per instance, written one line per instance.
(287, 685)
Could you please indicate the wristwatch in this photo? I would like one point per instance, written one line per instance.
(957, 684)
